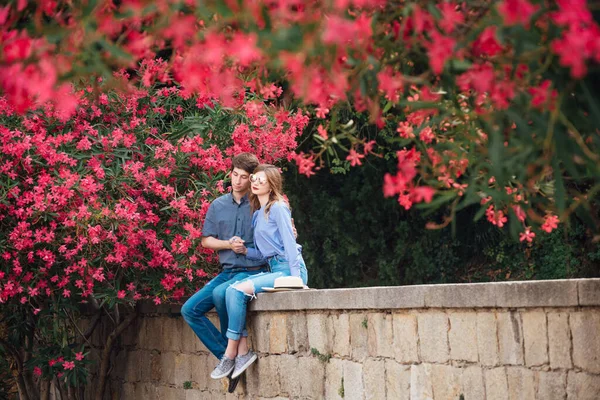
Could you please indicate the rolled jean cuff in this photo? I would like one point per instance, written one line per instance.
(233, 335)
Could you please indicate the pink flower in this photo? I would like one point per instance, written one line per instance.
(321, 112)
(37, 371)
(450, 17)
(322, 132)
(517, 11)
(527, 235)
(354, 157)
(121, 294)
(157, 300)
(440, 49)
(486, 43)
(550, 223)
(79, 356)
(68, 365)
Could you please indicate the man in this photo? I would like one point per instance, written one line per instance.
(228, 217)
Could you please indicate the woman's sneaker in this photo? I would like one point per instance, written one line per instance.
(243, 362)
(223, 368)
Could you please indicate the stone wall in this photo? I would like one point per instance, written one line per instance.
(517, 340)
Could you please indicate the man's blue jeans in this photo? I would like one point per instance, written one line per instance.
(237, 301)
(213, 295)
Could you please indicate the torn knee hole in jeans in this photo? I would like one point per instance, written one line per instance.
(251, 295)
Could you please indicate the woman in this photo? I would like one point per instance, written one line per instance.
(275, 242)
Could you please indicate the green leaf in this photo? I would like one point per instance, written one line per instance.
(560, 192)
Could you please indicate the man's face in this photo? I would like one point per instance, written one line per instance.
(240, 180)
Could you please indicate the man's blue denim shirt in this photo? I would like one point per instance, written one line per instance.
(226, 218)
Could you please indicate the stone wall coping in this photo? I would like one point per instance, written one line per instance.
(513, 294)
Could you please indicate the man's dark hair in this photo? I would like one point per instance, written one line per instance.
(246, 161)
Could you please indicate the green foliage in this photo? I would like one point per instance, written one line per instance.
(324, 358)
(352, 236)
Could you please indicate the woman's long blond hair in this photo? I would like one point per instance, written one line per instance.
(275, 182)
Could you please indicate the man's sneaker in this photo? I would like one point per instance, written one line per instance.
(223, 369)
(233, 382)
(243, 362)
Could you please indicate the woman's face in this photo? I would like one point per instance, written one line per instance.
(259, 184)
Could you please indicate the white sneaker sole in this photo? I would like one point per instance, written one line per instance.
(244, 367)
(214, 376)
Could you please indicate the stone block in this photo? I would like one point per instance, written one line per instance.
(128, 391)
(433, 336)
(130, 335)
(317, 332)
(550, 293)
(183, 369)
(582, 386)
(353, 381)
(521, 383)
(472, 386)
(397, 380)
(290, 375)
(487, 339)
(380, 342)
(445, 382)
(559, 340)
(334, 379)
(145, 391)
(172, 334)
(132, 368)
(339, 335)
(421, 386)
(155, 366)
(189, 341)
(151, 333)
(552, 385)
(167, 360)
(585, 328)
(535, 336)
(374, 379)
(405, 338)
(264, 375)
(463, 336)
(259, 326)
(169, 393)
(311, 372)
(496, 385)
(510, 338)
(589, 292)
(297, 333)
(278, 334)
(201, 370)
(358, 336)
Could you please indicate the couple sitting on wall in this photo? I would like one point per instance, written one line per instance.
(252, 230)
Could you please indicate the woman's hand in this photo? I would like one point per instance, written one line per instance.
(237, 245)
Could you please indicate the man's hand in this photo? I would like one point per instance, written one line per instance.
(237, 245)
(294, 229)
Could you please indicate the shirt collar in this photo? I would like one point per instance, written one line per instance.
(242, 200)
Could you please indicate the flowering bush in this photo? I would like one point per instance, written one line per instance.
(480, 102)
(106, 207)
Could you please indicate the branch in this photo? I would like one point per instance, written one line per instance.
(105, 359)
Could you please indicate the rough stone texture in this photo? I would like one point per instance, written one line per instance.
(380, 335)
(496, 385)
(354, 388)
(445, 381)
(472, 384)
(317, 332)
(463, 336)
(535, 336)
(397, 380)
(339, 335)
(487, 339)
(582, 386)
(495, 347)
(552, 385)
(421, 387)
(405, 338)
(297, 333)
(334, 379)
(585, 328)
(521, 383)
(358, 336)
(374, 379)
(589, 292)
(433, 336)
(311, 372)
(510, 338)
(278, 334)
(559, 340)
